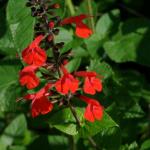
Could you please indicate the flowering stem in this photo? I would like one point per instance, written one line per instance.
(93, 143)
(90, 12)
(71, 7)
(74, 114)
(79, 123)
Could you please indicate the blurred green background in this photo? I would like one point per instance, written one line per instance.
(119, 50)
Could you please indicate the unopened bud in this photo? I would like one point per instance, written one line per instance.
(55, 6)
(50, 38)
(51, 24)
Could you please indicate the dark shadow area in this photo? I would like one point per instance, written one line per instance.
(11, 62)
(3, 23)
(143, 50)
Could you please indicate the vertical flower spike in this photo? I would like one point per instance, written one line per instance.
(82, 30)
(93, 111)
(28, 78)
(33, 54)
(66, 83)
(40, 103)
(91, 83)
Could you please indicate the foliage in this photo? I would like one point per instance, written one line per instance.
(118, 50)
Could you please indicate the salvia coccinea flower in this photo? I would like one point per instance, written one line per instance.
(93, 111)
(33, 54)
(28, 78)
(67, 83)
(82, 30)
(40, 102)
(91, 82)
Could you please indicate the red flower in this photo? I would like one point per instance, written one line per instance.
(94, 111)
(40, 103)
(28, 77)
(33, 54)
(91, 83)
(82, 30)
(66, 83)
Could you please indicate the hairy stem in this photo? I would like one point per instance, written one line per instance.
(71, 7)
(90, 12)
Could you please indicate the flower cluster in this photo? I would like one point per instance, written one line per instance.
(60, 82)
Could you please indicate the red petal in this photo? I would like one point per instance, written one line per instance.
(36, 41)
(66, 83)
(82, 30)
(31, 68)
(64, 70)
(88, 88)
(98, 112)
(41, 106)
(75, 19)
(58, 86)
(74, 86)
(27, 55)
(35, 56)
(96, 84)
(39, 57)
(88, 114)
(61, 86)
(29, 79)
(68, 20)
(85, 74)
(66, 86)
(29, 96)
(44, 91)
(73, 83)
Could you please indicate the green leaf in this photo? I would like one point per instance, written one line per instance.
(58, 142)
(106, 23)
(79, 52)
(9, 87)
(135, 111)
(17, 147)
(64, 121)
(91, 129)
(131, 43)
(102, 68)
(19, 28)
(145, 145)
(73, 65)
(92, 44)
(64, 36)
(16, 129)
(114, 134)
(74, 45)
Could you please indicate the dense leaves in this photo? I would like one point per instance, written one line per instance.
(118, 51)
(18, 24)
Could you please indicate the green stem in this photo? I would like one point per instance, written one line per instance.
(71, 7)
(73, 110)
(74, 114)
(90, 12)
(93, 143)
(72, 142)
